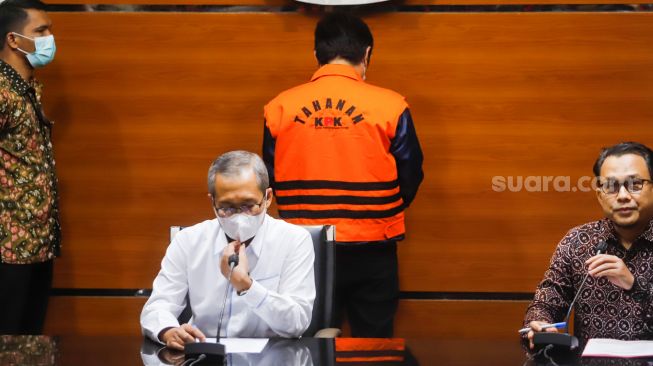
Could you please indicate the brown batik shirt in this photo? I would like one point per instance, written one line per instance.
(603, 310)
(29, 214)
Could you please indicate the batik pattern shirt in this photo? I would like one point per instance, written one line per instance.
(603, 310)
(29, 214)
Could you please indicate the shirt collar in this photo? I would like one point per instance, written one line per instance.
(337, 70)
(18, 84)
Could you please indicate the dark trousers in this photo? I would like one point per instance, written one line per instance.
(24, 292)
(367, 287)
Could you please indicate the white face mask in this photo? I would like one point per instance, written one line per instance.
(240, 226)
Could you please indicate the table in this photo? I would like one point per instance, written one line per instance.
(133, 350)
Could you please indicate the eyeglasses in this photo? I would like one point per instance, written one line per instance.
(632, 185)
(251, 209)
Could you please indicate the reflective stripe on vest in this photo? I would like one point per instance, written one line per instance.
(361, 211)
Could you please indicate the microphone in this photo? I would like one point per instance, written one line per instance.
(233, 259)
(233, 262)
(565, 342)
(600, 248)
(212, 353)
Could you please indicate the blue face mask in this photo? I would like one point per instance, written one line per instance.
(44, 49)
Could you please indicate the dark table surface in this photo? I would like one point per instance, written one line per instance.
(117, 350)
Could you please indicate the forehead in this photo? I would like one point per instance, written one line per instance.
(241, 185)
(625, 166)
(36, 18)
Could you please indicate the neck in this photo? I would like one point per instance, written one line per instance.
(19, 63)
(628, 235)
(360, 68)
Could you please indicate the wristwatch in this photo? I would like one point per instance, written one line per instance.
(243, 292)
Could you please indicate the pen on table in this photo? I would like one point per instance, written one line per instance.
(544, 326)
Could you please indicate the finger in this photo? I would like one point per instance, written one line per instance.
(536, 326)
(228, 250)
(530, 339)
(552, 330)
(598, 271)
(176, 345)
(188, 328)
(185, 337)
(197, 334)
(592, 259)
(596, 261)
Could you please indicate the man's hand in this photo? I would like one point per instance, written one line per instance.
(240, 279)
(230, 249)
(177, 337)
(536, 326)
(611, 267)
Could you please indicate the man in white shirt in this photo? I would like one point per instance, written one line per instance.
(271, 289)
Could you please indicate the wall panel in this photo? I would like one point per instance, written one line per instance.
(144, 101)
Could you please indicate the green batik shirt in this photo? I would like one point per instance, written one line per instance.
(29, 213)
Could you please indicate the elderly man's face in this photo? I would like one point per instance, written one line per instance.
(625, 208)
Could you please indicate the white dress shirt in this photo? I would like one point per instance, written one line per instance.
(279, 302)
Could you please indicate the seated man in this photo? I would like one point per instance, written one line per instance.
(617, 299)
(271, 290)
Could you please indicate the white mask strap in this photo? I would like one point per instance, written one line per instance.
(20, 35)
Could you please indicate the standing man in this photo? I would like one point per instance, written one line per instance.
(29, 214)
(343, 152)
(616, 301)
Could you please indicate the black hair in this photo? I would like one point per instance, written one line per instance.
(623, 149)
(342, 35)
(13, 16)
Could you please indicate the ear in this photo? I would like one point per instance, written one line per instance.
(368, 55)
(269, 194)
(315, 55)
(10, 40)
(599, 195)
(210, 196)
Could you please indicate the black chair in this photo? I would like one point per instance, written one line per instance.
(324, 237)
(322, 320)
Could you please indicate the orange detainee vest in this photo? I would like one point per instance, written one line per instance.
(332, 163)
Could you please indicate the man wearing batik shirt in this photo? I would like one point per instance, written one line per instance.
(29, 222)
(616, 301)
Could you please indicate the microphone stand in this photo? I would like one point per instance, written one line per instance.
(212, 353)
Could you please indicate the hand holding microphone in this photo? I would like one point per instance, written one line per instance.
(235, 267)
(611, 267)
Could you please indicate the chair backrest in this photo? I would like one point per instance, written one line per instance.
(324, 237)
(187, 313)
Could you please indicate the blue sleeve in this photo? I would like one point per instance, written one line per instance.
(408, 156)
(269, 144)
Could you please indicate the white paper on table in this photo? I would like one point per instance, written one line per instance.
(601, 347)
(242, 345)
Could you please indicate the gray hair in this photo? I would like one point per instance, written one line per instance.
(233, 163)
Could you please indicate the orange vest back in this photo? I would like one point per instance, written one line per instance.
(332, 163)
